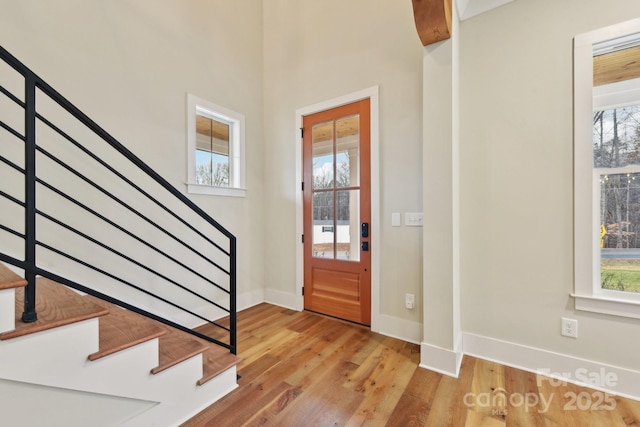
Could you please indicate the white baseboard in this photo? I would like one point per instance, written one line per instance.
(402, 329)
(249, 299)
(599, 376)
(390, 326)
(283, 299)
(440, 359)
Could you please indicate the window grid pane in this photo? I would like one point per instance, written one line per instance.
(616, 145)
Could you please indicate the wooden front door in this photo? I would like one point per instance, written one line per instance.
(337, 212)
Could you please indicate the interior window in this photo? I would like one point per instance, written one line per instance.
(215, 149)
(212, 151)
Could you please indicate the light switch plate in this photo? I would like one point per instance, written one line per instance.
(413, 219)
(395, 219)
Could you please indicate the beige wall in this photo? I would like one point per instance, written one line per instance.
(129, 65)
(516, 154)
(319, 50)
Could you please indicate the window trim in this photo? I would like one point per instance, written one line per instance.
(237, 163)
(588, 295)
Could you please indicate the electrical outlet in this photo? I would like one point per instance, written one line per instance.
(409, 301)
(569, 327)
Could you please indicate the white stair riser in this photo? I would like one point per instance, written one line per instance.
(181, 408)
(7, 309)
(58, 358)
(115, 370)
(48, 356)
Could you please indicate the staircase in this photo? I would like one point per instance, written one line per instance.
(87, 345)
(127, 311)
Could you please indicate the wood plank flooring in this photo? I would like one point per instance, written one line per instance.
(304, 369)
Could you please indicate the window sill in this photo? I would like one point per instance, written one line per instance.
(607, 305)
(216, 191)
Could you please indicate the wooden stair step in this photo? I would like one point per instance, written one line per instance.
(56, 306)
(215, 361)
(119, 329)
(122, 329)
(175, 347)
(9, 279)
(116, 333)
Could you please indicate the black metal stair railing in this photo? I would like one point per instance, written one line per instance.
(150, 248)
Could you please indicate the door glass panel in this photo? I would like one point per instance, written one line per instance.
(348, 225)
(323, 224)
(348, 151)
(322, 143)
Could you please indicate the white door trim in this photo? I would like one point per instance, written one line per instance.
(372, 94)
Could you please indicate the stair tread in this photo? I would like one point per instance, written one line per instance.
(56, 306)
(215, 361)
(116, 334)
(175, 347)
(122, 329)
(9, 279)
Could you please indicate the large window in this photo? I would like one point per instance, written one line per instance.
(616, 165)
(607, 170)
(215, 149)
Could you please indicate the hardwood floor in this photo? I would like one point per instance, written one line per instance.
(304, 369)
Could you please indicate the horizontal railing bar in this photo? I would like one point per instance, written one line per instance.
(12, 131)
(82, 288)
(11, 164)
(127, 180)
(13, 199)
(114, 277)
(125, 231)
(12, 97)
(8, 259)
(129, 207)
(11, 231)
(121, 255)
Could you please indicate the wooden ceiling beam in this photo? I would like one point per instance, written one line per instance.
(433, 20)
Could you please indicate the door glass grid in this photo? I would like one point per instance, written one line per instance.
(336, 196)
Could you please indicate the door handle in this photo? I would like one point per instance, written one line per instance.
(364, 229)
(364, 246)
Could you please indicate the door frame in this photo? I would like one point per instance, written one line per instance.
(373, 94)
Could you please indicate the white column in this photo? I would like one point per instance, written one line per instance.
(441, 348)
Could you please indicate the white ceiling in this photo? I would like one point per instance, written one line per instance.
(470, 8)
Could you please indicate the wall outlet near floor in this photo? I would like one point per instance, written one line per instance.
(569, 327)
(410, 301)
